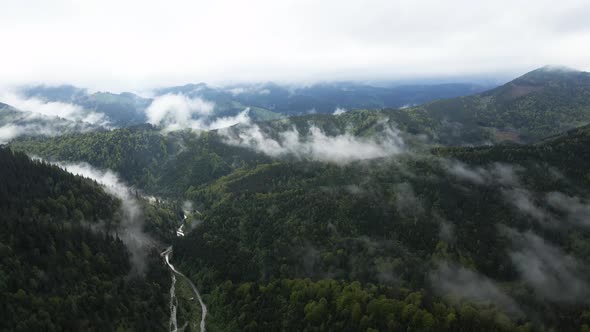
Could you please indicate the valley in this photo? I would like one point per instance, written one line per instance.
(468, 213)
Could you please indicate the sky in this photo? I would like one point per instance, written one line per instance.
(118, 45)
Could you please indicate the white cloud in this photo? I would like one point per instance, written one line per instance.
(45, 127)
(177, 111)
(576, 209)
(131, 229)
(496, 173)
(9, 132)
(339, 111)
(229, 121)
(553, 274)
(42, 108)
(456, 281)
(284, 40)
(316, 145)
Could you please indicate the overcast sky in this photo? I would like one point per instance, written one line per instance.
(124, 44)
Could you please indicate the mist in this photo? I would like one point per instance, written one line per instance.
(177, 111)
(553, 274)
(456, 281)
(130, 231)
(40, 108)
(316, 145)
(24, 126)
(496, 173)
(575, 209)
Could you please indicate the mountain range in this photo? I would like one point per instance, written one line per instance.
(465, 213)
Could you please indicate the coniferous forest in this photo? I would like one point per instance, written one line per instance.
(287, 166)
(279, 234)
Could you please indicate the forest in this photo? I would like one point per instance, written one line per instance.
(370, 220)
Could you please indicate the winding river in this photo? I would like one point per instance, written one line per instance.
(173, 325)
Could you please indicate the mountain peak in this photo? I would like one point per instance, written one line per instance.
(549, 73)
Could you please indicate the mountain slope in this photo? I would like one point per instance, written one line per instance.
(458, 216)
(448, 224)
(543, 102)
(123, 109)
(165, 165)
(322, 98)
(58, 271)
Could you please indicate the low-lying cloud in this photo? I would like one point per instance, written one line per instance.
(553, 274)
(130, 231)
(9, 132)
(40, 108)
(37, 127)
(316, 145)
(177, 112)
(339, 111)
(575, 209)
(453, 280)
(524, 201)
(496, 173)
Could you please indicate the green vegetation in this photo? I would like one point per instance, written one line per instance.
(165, 165)
(57, 273)
(543, 102)
(437, 238)
(386, 224)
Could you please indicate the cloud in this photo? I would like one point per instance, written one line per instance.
(452, 280)
(228, 121)
(575, 209)
(406, 202)
(316, 145)
(496, 173)
(524, 201)
(130, 231)
(38, 108)
(339, 111)
(45, 127)
(386, 39)
(447, 231)
(553, 274)
(34, 116)
(9, 132)
(177, 112)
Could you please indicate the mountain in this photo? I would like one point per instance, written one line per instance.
(122, 109)
(161, 164)
(59, 271)
(440, 239)
(14, 123)
(372, 219)
(543, 102)
(322, 98)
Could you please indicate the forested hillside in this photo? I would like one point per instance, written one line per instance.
(409, 224)
(369, 220)
(546, 101)
(161, 164)
(420, 240)
(62, 266)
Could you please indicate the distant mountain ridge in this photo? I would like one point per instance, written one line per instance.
(543, 102)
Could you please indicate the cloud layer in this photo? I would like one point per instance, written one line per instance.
(130, 231)
(177, 111)
(553, 274)
(38, 108)
(284, 40)
(316, 145)
(457, 281)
